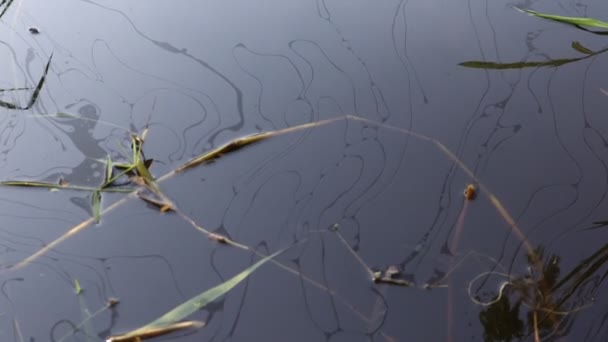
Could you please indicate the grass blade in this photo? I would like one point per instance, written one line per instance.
(61, 186)
(37, 90)
(96, 205)
(77, 287)
(226, 148)
(13, 89)
(108, 176)
(522, 65)
(40, 84)
(580, 48)
(33, 184)
(86, 325)
(190, 306)
(155, 332)
(8, 105)
(517, 65)
(6, 4)
(576, 21)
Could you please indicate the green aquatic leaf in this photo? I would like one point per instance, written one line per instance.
(77, 287)
(40, 84)
(580, 48)
(86, 325)
(576, 21)
(61, 186)
(13, 89)
(193, 304)
(96, 205)
(67, 115)
(109, 168)
(517, 65)
(522, 65)
(216, 153)
(32, 184)
(36, 92)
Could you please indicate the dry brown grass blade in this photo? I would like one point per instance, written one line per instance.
(73, 231)
(535, 322)
(220, 151)
(151, 333)
(225, 240)
(241, 142)
(493, 199)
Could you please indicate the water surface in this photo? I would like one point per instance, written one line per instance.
(401, 122)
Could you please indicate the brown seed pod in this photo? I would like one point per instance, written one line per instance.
(470, 192)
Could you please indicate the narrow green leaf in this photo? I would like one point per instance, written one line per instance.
(109, 168)
(67, 115)
(576, 21)
(124, 166)
(517, 65)
(56, 186)
(36, 92)
(32, 184)
(86, 325)
(8, 105)
(194, 304)
(142, 170)
(96, 205)
(580, 48)
(216, 153)
(13, 89)
(40, 84)
(521, 65)
(77, 287)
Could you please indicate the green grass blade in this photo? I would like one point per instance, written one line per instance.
(40, 84)
(109, 168)
(224, 149)
(517, 65)
(521, 65)
(32, 184)
(36, 92)
(96, 205)
(580, 48)
(194, 304)
(143, 171)
(77, 287)
(56, 186)
(8, 105)
(85, 325)
(13, 89)
(576, 21)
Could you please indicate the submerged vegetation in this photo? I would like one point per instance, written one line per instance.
(578, 22)
(541, 295)
(539, 303)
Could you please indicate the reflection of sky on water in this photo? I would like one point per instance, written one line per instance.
(201, 73)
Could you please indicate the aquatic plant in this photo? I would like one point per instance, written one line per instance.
(546, 297)
(35, 94)
(578, 22)
(142, 184)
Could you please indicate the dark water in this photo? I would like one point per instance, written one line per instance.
(200, 73)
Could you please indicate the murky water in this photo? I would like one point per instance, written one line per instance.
(403, 129)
